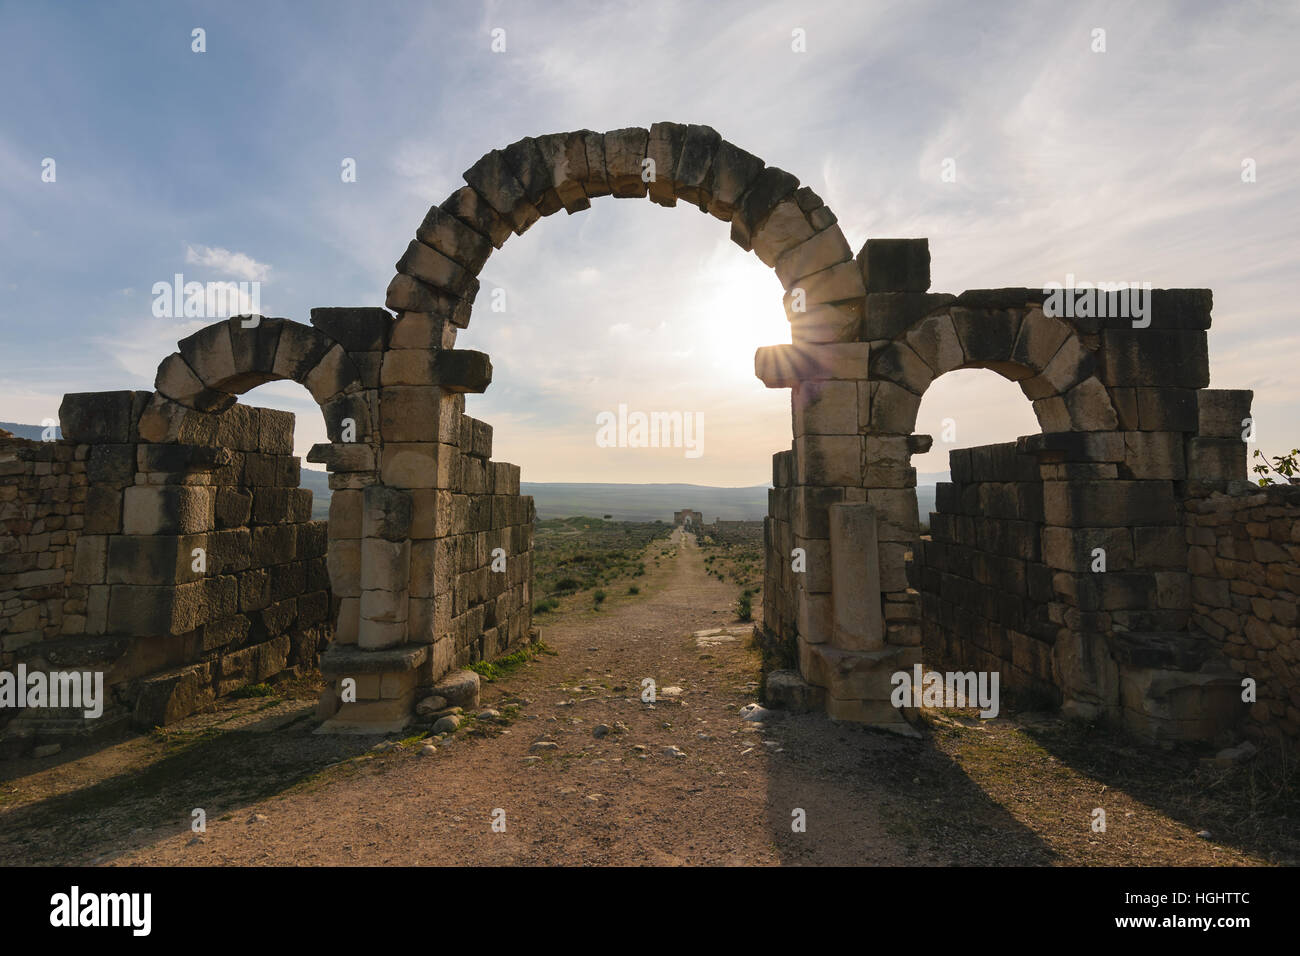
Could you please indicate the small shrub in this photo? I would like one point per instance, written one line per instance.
(745, 606)
(633, 590)
(598, 597)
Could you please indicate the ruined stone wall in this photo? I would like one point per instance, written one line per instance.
(983, 585)
(492, 525)
(1244, 557)
(42, 508)
(184, 571)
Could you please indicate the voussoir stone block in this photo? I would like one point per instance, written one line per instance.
(1070, 365)
(1041, 337)
(810, 256)
(409, 294)
(442, 231)
(987, 336)
(332, 374)
(733, 171)
(493, 179)
(253, 348)
(765, 193)
(785, 228)
(663, 150)
(1089, 407)
(596, 182)
(474, 211)
(565, 154)
(537, 177)
(433, 268)
(936, 343)
(897, 363)
(839, 283)
(625, 151)
(298, 350)
(695, 165)
(176, 381)
(209, 353)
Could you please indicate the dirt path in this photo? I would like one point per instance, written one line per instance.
(616, 800)
(997, 792)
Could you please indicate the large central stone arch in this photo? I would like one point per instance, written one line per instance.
(786, 225)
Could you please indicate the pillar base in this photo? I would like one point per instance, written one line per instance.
(383, 688)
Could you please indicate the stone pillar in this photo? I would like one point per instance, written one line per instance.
(855, 578)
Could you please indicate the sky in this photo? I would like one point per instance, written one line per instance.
(225, 165)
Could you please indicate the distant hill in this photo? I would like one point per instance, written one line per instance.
(31, 432)
(319, 483)
(645, 502)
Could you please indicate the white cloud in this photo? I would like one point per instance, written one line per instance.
(229, 263)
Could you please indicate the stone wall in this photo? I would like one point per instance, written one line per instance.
(185, 570)
(1244, 557)
(983, 585)
(42, 509)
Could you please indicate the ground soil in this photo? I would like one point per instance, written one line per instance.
(1019, 789)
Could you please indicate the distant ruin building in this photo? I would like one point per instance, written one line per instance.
(688, 519)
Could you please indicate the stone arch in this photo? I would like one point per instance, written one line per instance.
(1044, 355)
(786, 225)
(220, 362)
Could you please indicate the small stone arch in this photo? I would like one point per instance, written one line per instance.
(220, 362)
(786, 225)
(1044, 355)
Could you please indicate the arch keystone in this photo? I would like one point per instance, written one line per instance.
(664, 148)
(624, 151)
(695, 165)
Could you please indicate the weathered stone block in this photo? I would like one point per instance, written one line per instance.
(825, 408)
(537, 177)
(663, 150)
(782, 366)
(855, 562)
(734, 170)
(895, 265)
(97, 417)
(442, 231)
(474, 211)
(492, 178)
(784, 228)
(1146, 357)
(433, 268)
(625, 151)
(694, 176)
(168, 509)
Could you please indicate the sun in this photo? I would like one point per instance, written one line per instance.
(738, 310)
